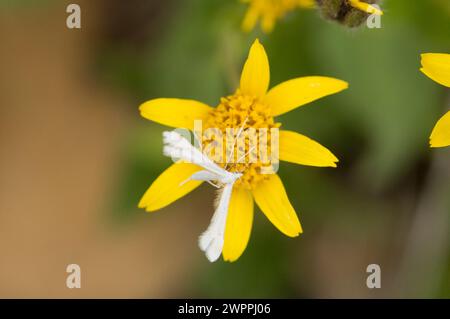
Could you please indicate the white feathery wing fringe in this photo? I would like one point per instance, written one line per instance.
(212, 240)
(177, 146)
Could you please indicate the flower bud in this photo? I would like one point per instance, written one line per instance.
(343, 12)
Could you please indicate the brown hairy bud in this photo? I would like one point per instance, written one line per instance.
(342, 12)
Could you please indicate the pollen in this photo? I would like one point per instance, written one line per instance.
(245, 117)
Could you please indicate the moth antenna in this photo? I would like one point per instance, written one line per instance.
(245, 155)
(235, 139)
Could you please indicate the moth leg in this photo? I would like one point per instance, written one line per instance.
(204, 175)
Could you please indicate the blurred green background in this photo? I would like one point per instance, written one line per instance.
(388, 203)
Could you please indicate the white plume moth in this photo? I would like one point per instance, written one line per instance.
(176, 146)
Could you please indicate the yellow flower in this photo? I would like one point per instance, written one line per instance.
(252, 106)
(269, 11)
(437, 67)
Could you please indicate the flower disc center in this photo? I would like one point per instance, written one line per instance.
(246, 128)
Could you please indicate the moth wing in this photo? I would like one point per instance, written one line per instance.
(212, 240)
(204, 176)
(175, 145)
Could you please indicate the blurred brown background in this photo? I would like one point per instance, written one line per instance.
(61, 129)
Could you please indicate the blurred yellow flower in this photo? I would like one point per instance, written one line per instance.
(437, 67)
(252, 106)
(269, 11)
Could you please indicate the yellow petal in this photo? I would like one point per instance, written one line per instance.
(239, 224)
(437, 67)
(274, 203)
(255, 76)
(297, 92)
(365, 7)
(268, 24)
(167, 187)
(307, 3)
(174, 112)
(299, 149)
(250, 19)
(441, 132)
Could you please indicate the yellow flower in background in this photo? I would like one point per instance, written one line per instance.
(437, 67)
(252, 106)
(269, 11)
